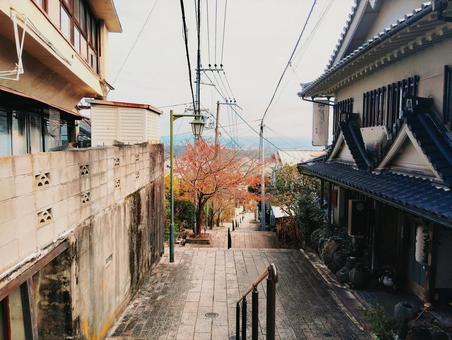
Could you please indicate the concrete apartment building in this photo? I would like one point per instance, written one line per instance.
(79, 228)
(387, 175)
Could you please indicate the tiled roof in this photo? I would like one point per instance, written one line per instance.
(348, 22)
(388, 32)
(434, 142)
(415, 195)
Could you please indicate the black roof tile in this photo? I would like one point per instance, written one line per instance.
(416, 195)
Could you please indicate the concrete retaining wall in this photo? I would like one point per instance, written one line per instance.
(107, 202)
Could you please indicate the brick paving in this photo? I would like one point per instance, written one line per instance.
(243, 237)
(174, 301)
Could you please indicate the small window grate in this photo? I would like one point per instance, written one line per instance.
(84, 170)
(384, 106)
(42, 179)
(45, 216)
(341, 108)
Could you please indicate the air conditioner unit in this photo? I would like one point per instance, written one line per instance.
(358, 212)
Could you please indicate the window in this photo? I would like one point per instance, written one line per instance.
(447, 102)
(42, 4)
(340, 113)
(384, 106)
(5, 134)
(36, 140)
(80, 27)
(65, 23)
(30, 132)
(19, 133)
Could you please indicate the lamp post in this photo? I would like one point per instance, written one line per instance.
(197, 126)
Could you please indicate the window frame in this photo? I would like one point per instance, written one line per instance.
(88, 30)
(44, 7)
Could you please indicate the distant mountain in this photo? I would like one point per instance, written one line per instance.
(250, 142)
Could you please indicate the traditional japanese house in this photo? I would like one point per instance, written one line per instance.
(387, 175)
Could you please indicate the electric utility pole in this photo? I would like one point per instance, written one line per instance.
(217, 125)
(261, 147)
(198, 64)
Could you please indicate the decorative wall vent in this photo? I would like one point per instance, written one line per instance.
(45, 216)
(137, 157)
(117, 183)
(116, 161)
(85, 197)
(42, 179)
(137, 175)
(84, 170)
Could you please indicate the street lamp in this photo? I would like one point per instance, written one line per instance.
(197, 126)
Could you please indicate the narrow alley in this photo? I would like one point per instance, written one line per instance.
(195, 297)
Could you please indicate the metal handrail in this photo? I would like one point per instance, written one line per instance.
(272, 278)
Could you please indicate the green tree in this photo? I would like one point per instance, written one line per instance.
(298, 196)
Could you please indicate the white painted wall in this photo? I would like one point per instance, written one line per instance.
(127, 125)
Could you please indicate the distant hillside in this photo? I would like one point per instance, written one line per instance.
(249, 142)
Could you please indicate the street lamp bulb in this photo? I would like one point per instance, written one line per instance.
(197, 126)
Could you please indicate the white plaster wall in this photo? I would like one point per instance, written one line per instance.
(427, 64)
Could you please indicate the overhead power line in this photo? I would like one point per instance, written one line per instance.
(224, 29)
(290, 60)
(146, 21)
(184, 22)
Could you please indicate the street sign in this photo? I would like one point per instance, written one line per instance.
(320, 121)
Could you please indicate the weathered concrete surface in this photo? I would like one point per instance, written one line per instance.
(173, 303)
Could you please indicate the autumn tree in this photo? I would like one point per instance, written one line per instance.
(211, 172)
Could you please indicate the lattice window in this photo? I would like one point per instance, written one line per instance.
(341, 108)
(117, 183)
(116, 162)
(137, 157)
(384, 106)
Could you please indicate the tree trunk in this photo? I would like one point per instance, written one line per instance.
(199, 215)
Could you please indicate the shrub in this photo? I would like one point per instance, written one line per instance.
(383, 326)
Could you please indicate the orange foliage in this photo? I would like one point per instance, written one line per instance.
(215, 172)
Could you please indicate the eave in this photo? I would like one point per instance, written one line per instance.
(105, 10)
(409, 35)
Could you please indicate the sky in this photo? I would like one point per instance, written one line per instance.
(259, 38)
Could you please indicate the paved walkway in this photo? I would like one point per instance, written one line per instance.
(246, 236)
(174, 302)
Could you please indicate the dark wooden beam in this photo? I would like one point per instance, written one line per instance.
(34, 268)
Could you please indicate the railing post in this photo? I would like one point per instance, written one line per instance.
(237, 321)
(229, 239)
(255, 317)
(244, 315)
(271, 301)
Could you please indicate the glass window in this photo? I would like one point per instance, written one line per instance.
(36, 141)
(65, 23)
(19, 134)
(77, 39)
(5, 134)
(51, 124)
(64, 132)
(84, 48)
(42, 4)
(77, 10)
(82, 17)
